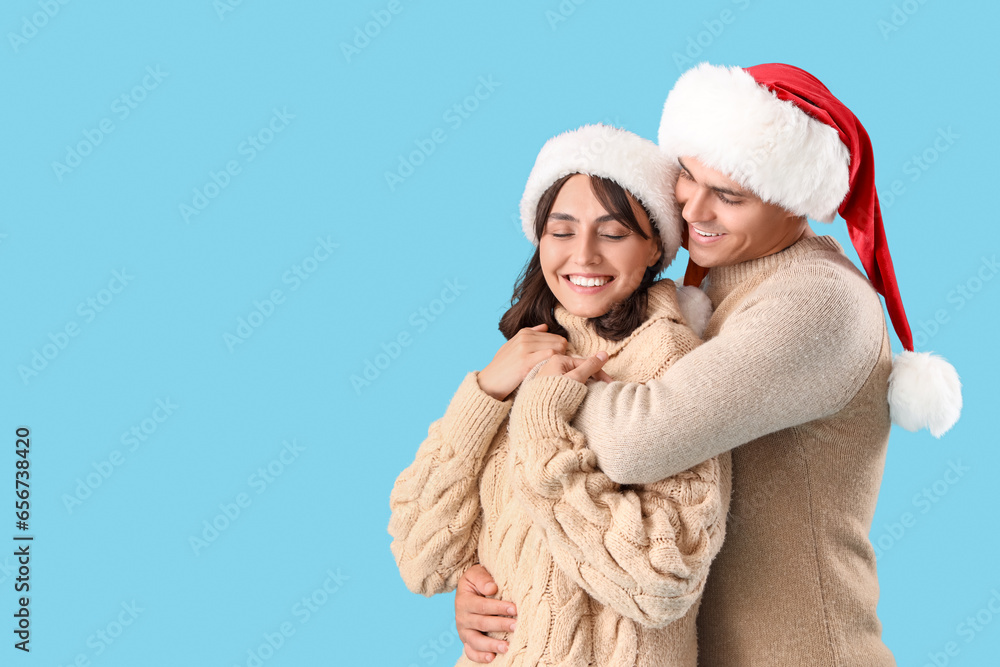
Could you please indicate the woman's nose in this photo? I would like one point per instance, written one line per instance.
(587, 249)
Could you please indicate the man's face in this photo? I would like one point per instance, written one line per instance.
(726, 223)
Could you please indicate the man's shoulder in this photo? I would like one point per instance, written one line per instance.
(823, 274)
(819, 294)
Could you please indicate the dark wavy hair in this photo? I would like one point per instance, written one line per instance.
(533, 302)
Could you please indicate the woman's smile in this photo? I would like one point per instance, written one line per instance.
(587, 283)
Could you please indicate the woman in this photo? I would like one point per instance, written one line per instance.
(598, 571)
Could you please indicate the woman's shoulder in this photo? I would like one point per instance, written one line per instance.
(685, 305)
(661, 339)
(662, 301)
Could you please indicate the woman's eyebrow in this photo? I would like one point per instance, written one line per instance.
(568, 218)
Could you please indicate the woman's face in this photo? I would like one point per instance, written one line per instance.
(590, 260)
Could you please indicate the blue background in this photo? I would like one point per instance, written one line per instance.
(232, 72)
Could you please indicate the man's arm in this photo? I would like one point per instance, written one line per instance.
(645, 551)
(794, 351)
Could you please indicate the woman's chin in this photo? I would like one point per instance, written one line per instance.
(580, 308)
(584, 310)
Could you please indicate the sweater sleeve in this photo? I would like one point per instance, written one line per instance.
(643, 551)
(793, 351)
(436, 514)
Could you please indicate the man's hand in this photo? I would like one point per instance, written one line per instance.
(476, 614)
(576, 368)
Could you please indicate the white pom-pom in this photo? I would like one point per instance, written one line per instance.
(695, 306)
(924, 392)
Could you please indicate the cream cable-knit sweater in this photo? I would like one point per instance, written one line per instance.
(793, 375)
(600, 574)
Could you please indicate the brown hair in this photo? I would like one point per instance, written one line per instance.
(533, 302)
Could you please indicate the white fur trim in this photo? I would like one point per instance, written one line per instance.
(723, 117)
(924, 392)
(695, 306)
(632, 162)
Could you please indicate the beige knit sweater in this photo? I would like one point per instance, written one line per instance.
(600, 574)
(794, 377)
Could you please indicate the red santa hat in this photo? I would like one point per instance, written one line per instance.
(779, 132)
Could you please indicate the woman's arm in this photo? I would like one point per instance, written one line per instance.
(436, 513)
(643, 551)
(794, 352)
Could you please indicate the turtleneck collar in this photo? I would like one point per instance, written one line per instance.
(722, 280)
(584, 341)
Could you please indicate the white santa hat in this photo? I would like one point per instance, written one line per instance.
(779, 132)
(634, 163)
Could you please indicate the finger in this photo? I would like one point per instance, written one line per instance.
(488, 607)
(602, 376)
(468, 601)
(539, 340)
(477, 641)
(479, 656)
(561, 364)
(540, 327)
(482, 623)
(554, 364)
(588, 367)
(546, 353)
(480, 578)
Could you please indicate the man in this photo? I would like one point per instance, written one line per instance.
(796, 376)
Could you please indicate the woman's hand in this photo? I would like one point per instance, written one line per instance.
(517, 357)
(476, 614)
(576, 368)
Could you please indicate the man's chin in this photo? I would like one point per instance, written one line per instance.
(706, 261)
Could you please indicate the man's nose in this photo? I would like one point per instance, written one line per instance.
(695, 207)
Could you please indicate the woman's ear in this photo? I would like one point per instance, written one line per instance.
(656, 251)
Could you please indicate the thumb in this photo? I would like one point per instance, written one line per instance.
(480, 577)
(540, 327)
(588, 367)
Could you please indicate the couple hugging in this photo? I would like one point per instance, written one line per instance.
(631, 433)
